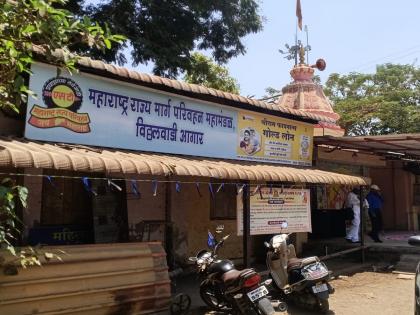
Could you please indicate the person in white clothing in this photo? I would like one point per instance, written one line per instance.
(353, 202)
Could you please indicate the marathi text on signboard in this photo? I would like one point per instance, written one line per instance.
(270, 139)
(270, 207)
(94, 111)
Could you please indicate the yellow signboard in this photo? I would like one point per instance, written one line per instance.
(267, 138)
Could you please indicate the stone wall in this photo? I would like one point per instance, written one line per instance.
(11, 126)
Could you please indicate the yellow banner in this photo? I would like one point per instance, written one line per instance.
(268, 138)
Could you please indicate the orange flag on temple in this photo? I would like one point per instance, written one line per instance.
(299, 14)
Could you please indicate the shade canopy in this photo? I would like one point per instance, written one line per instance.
(399, 146)
(22, 153)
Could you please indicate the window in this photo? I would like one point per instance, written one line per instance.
(72, 214)
(223, 204)
(65, 201)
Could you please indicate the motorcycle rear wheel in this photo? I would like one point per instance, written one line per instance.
(265, 307)
(214, 299)
(324, 306)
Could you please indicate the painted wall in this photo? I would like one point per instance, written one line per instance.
(144, 208)
(191, 217)
(11, 126)
(346, 157)
(397, 189)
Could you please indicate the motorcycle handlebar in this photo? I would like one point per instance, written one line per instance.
(224, 238)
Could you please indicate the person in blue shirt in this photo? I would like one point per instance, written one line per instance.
(376, 202)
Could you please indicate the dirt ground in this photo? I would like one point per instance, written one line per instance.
(364, 294)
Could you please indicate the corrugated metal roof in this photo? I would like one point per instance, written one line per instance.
(395, 146)
(16, 152)
(176, 86)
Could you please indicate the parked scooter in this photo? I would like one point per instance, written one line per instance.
(226, 289)
(302, 281)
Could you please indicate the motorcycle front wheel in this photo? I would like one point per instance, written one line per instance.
(213, 297)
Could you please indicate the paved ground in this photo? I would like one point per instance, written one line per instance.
(365, 293)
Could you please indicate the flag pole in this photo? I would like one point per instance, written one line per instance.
(296, 44)
(307, 44)
(298, 24)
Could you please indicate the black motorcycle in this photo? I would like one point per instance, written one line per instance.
(227, 289)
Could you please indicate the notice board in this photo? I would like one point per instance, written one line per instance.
(270, 207)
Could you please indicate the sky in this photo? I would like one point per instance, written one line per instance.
(351, 35)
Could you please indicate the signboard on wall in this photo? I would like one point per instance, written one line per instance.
(272, 139)
(271, 207)
(90, 110)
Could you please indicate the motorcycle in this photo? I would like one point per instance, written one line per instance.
(227, 289)
(303, 281)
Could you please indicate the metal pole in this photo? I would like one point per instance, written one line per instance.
(342, 253)
(168, 226)
(296, 44)
(307, 44)
(246, 226)
(362, 225)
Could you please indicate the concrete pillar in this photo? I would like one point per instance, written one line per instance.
(301, 239)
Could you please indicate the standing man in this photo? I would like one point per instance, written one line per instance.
(375, 212)
(354, 203)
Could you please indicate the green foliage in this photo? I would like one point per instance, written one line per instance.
(272, 95)
(25, 23)
(11, 196)
(167, 31)
(387, 101)
(205, 72)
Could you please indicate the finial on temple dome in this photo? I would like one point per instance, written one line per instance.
(295, 51)
(301, 55)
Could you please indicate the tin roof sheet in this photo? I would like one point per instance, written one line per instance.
(87, 64)
(22, 153)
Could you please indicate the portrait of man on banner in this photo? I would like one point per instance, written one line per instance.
(250, 141)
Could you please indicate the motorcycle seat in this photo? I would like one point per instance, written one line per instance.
(297, 263)
(233, 275)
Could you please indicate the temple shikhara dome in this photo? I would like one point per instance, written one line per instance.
(304, 94)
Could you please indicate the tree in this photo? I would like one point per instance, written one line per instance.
(25, 24)
(10, 194)
(387, 101)
(205, 72)
(272, 95)
(167, 31)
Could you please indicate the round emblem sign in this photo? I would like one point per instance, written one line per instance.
(63, 93)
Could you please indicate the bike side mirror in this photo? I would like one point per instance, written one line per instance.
(266, 244)
(284, 225)
(414, 240)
